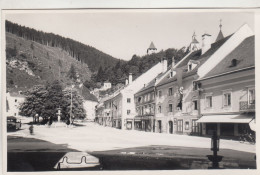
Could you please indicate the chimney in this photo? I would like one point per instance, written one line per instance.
(173, 62)
(130, 79)
(164, 65)
(206, 43)
(126, 81)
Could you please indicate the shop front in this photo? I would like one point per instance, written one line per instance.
(144, 123)
(226, 125)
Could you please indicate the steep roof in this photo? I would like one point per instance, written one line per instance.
(194, 40)
(87, 95)
(151, 83)
(152, 46)
(244, 54)
(196, 56)
(220, 36)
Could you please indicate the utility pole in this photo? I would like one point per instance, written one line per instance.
(71, 104)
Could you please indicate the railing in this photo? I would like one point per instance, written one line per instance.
(245, 106)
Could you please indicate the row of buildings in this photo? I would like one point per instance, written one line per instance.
(211, 89)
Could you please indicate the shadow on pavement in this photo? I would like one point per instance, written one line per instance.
(29, 154)
(171, 158)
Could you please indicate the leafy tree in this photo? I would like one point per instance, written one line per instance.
(44, 101)
(35, 102)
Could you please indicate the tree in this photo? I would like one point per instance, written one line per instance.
(100, 75)
(35, 102)
(78, 110)
(72, 72)
(32, 47)
(44, 101)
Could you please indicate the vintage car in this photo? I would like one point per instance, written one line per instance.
(13, 123)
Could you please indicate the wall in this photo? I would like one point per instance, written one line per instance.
(90, 107)
(237, 83)
(14, 103)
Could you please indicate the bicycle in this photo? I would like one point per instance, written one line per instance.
(247, 138)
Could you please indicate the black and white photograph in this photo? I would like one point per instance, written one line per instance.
(129, 89)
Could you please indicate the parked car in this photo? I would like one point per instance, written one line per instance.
(13, 123)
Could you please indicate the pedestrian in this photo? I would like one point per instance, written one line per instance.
(50, 121)
(68, 122)
(31, 129)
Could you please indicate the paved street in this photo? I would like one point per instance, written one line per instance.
(125, 148)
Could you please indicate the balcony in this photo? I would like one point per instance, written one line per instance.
(245, 106)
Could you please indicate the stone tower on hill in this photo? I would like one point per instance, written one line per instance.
(151, 49)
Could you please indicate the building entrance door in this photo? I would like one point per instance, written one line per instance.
(180, 126)
(159, 126)
(170, 127)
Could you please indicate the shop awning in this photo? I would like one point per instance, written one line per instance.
(239, 118)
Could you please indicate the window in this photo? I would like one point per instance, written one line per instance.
(160, 94)
(139, 99)
(128, 100)
(251, 96)
(190, 66)
(227, 99)
(170, 92)
(187, 125)
(15, 100)
(148, 97)
(195, 87)
(194, 124)
(170, 107)
(159, 109)
(195, 105)
(171, 74)
(152, 96)
(208, 101)
(128, 112)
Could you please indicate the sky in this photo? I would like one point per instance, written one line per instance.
(123, 33)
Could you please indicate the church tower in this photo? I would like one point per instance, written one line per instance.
(194, 45)
(220, 34)
(151, 49)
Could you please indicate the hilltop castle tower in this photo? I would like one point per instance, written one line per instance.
(151, 49)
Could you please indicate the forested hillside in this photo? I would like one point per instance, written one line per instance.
(81, 52)
(137, 65)
(36, 57)
(29, 63)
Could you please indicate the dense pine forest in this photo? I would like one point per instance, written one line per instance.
(81, 52)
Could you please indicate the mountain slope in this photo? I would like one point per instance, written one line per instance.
(30, 63)
(86, 54)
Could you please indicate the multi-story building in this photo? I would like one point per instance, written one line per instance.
(145, 104)
(227, 93)
(121, 104)
(177, 104)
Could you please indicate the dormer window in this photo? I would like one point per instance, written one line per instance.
(190, 67)
(171, 74)
(233, 63)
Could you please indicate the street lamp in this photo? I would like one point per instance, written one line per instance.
(214, 143)
(215, 159)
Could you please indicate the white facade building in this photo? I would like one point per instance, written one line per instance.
(13, 103)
